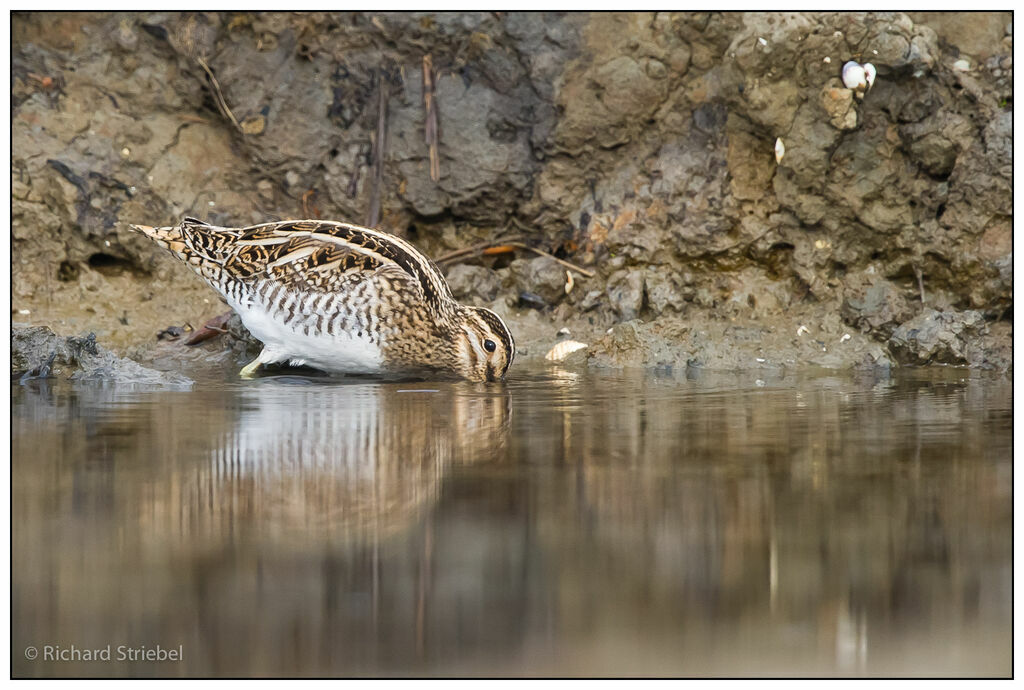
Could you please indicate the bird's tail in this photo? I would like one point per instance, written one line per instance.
(170, 238)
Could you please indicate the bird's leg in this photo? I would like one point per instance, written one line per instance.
(250, 369)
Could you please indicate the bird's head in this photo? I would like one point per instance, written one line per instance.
(484, 345)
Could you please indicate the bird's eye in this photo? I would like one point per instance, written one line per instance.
(490, 346)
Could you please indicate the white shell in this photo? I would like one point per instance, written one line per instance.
(962, 66)
(780, 150)
(869, 74)
(853, 76)
(563, 350)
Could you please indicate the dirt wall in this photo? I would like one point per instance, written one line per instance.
(638, 147)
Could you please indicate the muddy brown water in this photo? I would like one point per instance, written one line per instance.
(563, 524)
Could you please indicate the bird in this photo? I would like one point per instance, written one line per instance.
(341, 298)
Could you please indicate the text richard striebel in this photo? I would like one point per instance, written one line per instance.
(111, 653)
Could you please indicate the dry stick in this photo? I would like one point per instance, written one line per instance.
(459, 253)
(218, 94)
(570, 266)
(465, 251)
(373, 214)
(430, 119)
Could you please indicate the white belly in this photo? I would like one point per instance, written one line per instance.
(342, 352)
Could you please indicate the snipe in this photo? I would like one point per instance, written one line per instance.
(341, 298)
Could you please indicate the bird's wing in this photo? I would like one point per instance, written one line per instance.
(323, 256)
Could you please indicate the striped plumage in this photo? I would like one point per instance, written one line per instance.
(341, 298)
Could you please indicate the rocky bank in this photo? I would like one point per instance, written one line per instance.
(637, 147)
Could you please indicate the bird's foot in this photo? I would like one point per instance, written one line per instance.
(250, 369)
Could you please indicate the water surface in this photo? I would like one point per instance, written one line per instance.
(562, 524)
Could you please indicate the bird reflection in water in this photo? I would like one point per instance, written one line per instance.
(313, 462)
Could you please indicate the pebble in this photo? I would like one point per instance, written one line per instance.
(962, 66)
(265, 189)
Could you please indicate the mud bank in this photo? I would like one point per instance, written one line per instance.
(637, 147)
(38, 354)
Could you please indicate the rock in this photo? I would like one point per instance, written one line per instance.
(664, 292)
(36, 352)
(591, 300)
(468, 282)
(879, 311)
(839, 106)
(266, 189)
(974, 33)
(530, 300)
(626, 293)
(542, 276)
(242, 341)
(937, 337)
(935, 142)
(636, 344)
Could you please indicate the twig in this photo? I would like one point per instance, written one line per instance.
(500, 249)
(218, 94)
(466, 251)
(570, 266)
(430, 119)
(373, 213)
(306, 196)
(507, 242)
